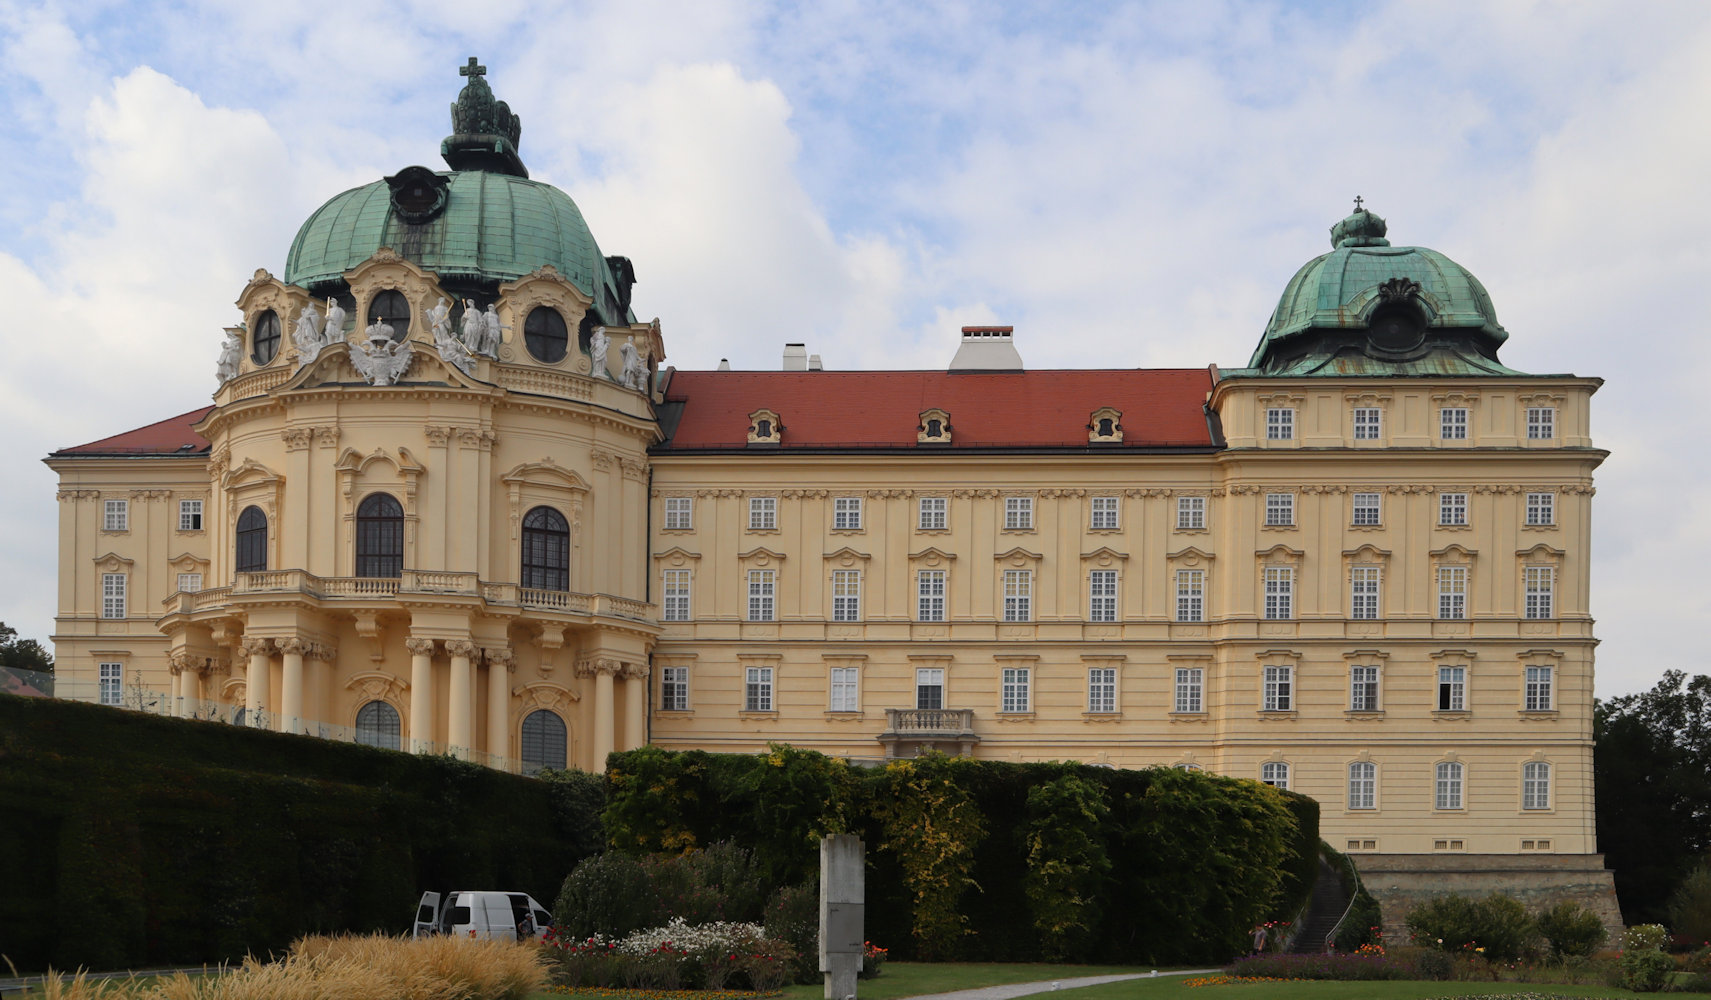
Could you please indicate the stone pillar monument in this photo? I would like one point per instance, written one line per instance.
(843, 894)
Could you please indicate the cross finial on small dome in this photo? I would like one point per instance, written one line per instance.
(476, 69)
(1358, 198)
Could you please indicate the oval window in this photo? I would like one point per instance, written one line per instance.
(264, 340)
(391, 308)
(545, 334)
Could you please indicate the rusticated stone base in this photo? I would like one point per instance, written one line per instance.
(1402, 881)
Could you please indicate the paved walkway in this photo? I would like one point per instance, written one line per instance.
(1011, 990)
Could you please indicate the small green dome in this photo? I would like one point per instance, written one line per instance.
(1365, 279)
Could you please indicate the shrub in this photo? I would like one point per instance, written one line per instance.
(1646, 970)
(1496, 926)
(1571, 930)
(1434, 965)
(933, 826)
(1644, 937)
(704, 885)
(872, 960)
(1326, 966)
(608, 894)
(1067, 863)
(793, 917)
(1690, 906)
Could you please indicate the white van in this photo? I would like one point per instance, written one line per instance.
(512, 916)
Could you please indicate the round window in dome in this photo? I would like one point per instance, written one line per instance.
(264, 339)
(1397, 328)
(546, 335)
(390, 307)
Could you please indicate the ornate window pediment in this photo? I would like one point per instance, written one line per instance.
(765, 428)
(1280, 555)
(760, 557)
(1018, 558)
(677, 555)
(1105, 426)
(1191, 557)
(934, 427)
(112, 562)
(931, 557)
(546, 288)
(847, 556)
(1367, 555)
(1104, 557)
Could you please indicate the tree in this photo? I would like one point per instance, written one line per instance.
(22, 654)
(1652, 765)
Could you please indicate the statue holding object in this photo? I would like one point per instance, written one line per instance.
(451, 349)
(307, 335)
(334, 331)
(635, 373)
(231, 356)
(598, 344)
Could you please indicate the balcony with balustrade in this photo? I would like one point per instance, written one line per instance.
(910, 732)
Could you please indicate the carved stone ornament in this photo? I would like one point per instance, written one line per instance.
(381, 360)
(419, 647)
(460, 647)
(1398, 290)
(231, 355)
(450, 349)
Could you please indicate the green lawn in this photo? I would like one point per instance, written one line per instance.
(1176, 988)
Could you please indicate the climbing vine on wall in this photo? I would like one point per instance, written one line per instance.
(1067, 863)
(933, 827)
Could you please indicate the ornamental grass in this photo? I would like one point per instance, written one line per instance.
(367, 967)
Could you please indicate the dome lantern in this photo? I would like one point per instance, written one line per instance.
(485, 130)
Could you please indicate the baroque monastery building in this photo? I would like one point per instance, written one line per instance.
(447, 499)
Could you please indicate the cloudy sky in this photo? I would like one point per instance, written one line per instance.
(1127, 184)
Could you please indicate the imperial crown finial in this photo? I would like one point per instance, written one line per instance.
(485, 131)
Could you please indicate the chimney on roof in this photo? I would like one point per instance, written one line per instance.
(724, 364)
(795, 357)
(987, 349)
(814, 364)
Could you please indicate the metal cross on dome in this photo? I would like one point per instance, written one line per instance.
(1358, 198)
(473, 69)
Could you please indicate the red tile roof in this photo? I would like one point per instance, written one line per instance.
(879, 409)
(167, 437)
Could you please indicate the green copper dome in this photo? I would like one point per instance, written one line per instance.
(1380, 307)
(476, 226)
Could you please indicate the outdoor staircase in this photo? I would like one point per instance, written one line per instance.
(1327, 906)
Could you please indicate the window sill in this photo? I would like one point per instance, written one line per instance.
(753, 714)
(1105, 531)
(115, 531)
(1016, 531)
(189, 531)
(1102, 716)
(932, 531)
(1277, 714)
(1189, 531)
(1451, 714)
(1539, 527)
(675, 713)
(849, 531)
(1453, 527)
(1278, 527)
(761, 531)
(1190, 717)
(1364, 715)
(1014, 716)
(1538, 715)
(833, 715)
(1366, 527)
(677, 531)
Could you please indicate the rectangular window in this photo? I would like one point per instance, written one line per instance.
(1280, 424)
(1541, 508)
(930, 595)
(757, 693)
(1102, 595)
(679, 513)
(1452, 592)
(932, 513)
(1541, 591)
(1452, 423)
(674, 591)
(674, 689)
(845, 685)
(930, 688)
(1363, 689)
(1274, 773)
(1280, 509)
(761, 594)
(112, 683)
(189, 515)
(1452, 508)
(1190, 595)
(1278, 696)
(1538, 689)
(1366, 423)
(1190, 513)
(763, 513)
(112, 595)
(1541, 423)
(1363, 787)
(1536, 787)
(846, 595)
(1279, 592)
(1102, 689)
(1016, 689)
(189, 583)
(1452, 689)
(1019, 513)
(1449, 785)
(116, 515)
(846, 513)
(1363, 592)
(1366, 509)
(1104, 513)
(1018, 595)
(1190, 681)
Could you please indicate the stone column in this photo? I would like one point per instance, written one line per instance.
(290, 719)
(459, 710)
(421, 694)
(500, 664)
(210, 685)
(635, 705)
(601, 670)
(256, 678)
(321, 657)
(178, 666)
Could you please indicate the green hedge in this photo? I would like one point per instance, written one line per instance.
(133, 840)
(1180, 865)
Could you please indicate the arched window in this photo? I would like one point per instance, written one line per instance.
(545, 334)
(935, 428)
(1107, 427)
(546, 550)
(763, 428)
(377, 725)
(392, 308)
(379, 536)
(252, 541)
(264, 339)
(1274, 773)
(543, 741)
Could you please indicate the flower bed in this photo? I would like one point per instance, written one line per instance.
(679, 955)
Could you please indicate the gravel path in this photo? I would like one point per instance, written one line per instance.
(1028, 989)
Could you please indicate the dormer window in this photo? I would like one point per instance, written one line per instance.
(264, 339)
(934, 428)
(1105, 426)
(391, 308)
(765, 428)
(545, 335)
